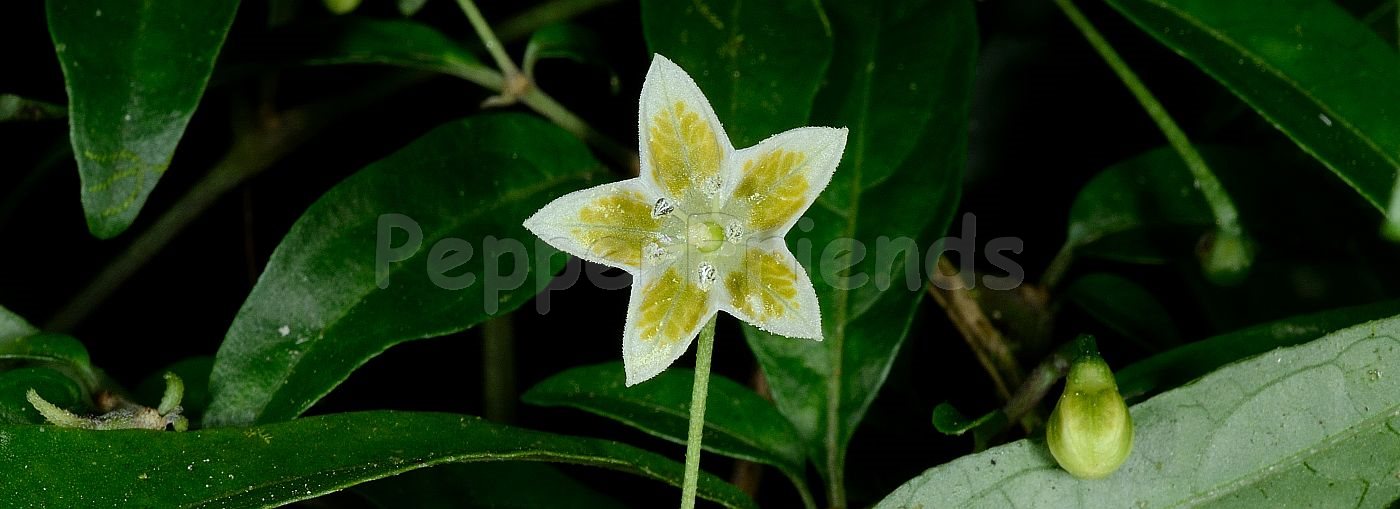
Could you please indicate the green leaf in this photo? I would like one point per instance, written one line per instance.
(349, 40)
(949, 421)
(1125, 307)
(1309, 426)
(411, 7)
(1183, 364)
(498, 485)
(759, 63)
(1118, 212)
(233, 467)
(570, 42)
(135, 72)
(318, 311)
(194, 372)
(901, 80)
(15, 108)
(738, 423)
(13, 326)
(1315, 72)
(20, 341)
(54, 386)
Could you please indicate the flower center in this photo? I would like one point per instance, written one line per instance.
(707, 236)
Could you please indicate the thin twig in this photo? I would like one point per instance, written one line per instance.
(498, 368)
(987, 343)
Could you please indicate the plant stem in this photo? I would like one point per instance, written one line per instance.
(986, 342)
(703, 352)
(498, 368)
(1226, 217)
(488, 38)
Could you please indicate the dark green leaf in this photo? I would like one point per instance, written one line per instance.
(949, 421)
(318, 311)
(356, 40)
(498, 485)
(194, 372)
(135, 72)
(13, 326)
(1116, 212)
(1127, 308)
(20, 341)
(411, 7)
(54, 386)
(901, 80)
(232, 467)
(1307, 426)
(14, 108)
(738, 423)
(1181, 365)
(1315, 72)
(759, 63)
(570, 42)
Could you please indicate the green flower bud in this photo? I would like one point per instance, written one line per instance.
(1090, 432)
(1226, 257)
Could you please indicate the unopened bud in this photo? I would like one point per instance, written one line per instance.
(1090, 432)
(339, 7)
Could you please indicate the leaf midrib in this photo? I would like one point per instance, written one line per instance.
(508, 198)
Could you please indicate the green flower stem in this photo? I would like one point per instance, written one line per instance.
(1226, 217)
(703, 352)
(488, 37)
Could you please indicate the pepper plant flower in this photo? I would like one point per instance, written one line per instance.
(701, 229)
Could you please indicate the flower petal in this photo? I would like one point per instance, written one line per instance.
(770, 290)
(667, 309)
(683, 145)
(611, 224)
(776, 180)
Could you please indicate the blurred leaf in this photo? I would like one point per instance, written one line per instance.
(498, 485)
(1115, 214)
(1315, 72)
(901, 81)
(1125, 307)
(313, 456)
(13, 326)
(194, 372)
(15, 108)
(759, 63)
(54, 386)
(321, 309)
(352, 40)
(569, 42)
(738, 423)
(135, 72)
(949, 421)
(1307, 426)
(1181, 365)
(411, 7)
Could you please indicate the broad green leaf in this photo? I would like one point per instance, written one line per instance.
(1318, 74)
(738, 423)
(1183, 364)
(1308, 426)
(498, 485)
(901, 80)
(54, 386)
(234, 467)
(346, 283)
(357, 40)
(570, 42)
(759, 63)
(1125, 307)
(135, 72)
(15, 108)
(194, 372)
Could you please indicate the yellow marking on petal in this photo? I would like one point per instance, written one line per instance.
(774, 187)
(765, 289)
(671, 306)
(617, 226)
(685, 152)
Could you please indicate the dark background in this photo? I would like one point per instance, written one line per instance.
(1047, 116)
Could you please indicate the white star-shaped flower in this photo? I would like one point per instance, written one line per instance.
(701, 230)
